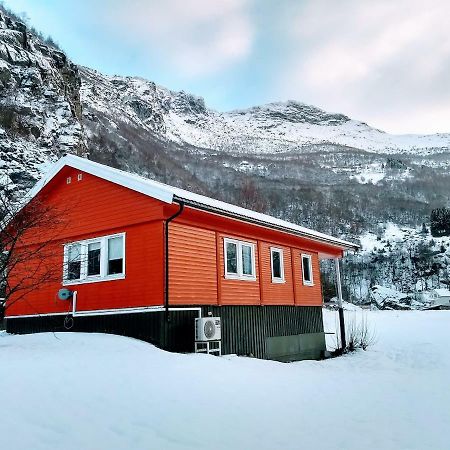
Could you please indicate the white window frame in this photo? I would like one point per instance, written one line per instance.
(309, 258)
(280, 252)
(239, 275)
(103, 276)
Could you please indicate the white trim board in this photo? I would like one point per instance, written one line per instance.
(104, 312)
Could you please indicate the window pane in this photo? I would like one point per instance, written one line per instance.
(115, 248)
(115, 255)
(276, 264)
(74, 262)
(93, 259)
(306, 263)
(247, 263)
(231, 257)
(115, 266)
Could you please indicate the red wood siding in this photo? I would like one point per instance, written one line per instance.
(142, 285)
(243, 292)
(276, 293)
(193, 265)
(93, 208)
(226, 225)
(94, 204)
(304, 294)
(237, 292)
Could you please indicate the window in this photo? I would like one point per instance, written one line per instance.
(97, 259)
(93, 258)
(232, 258)
(115, 255)
(247, 259)
(307, 270)
(239, 259)
(73, 262)
(277, 265)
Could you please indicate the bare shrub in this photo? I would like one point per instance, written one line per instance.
(359, 335)
(28, 233)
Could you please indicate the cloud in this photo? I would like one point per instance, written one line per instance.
(196, 37)
(386, 62)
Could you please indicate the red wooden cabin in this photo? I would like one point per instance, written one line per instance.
(146, 258)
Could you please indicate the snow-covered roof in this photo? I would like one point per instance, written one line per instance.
(169, 194)
(442, 292)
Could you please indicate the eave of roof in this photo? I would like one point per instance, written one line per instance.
(265, 221)
(128, 180)
(168, 194)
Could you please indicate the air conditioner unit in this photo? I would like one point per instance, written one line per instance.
(207, 329)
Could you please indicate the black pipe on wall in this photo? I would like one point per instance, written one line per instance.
(166, 256)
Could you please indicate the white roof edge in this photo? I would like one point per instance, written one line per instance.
(166, 194)
(263, 219)
(128, 180)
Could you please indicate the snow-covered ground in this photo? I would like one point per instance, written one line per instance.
(93, 391)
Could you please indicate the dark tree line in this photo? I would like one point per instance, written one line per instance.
(440, 222)
(409, 267)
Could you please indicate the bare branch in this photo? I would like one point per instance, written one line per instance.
(28, 236)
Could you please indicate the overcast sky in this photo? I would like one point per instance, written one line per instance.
(385, 62)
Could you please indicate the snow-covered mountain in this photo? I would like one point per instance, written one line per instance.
(40, 111)
(302, 159)
(289, 159)
(274, 128)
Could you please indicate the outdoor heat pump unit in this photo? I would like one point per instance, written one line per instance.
(208, 335)
(207, 329)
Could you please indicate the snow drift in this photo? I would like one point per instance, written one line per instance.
(92, 391)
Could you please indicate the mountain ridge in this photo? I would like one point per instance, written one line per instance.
(292, 160)
(339, 128)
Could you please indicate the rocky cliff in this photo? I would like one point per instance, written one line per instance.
(289, 159)
(40, 108)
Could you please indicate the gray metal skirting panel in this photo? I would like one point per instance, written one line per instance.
(246, 330)
(296, 347)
